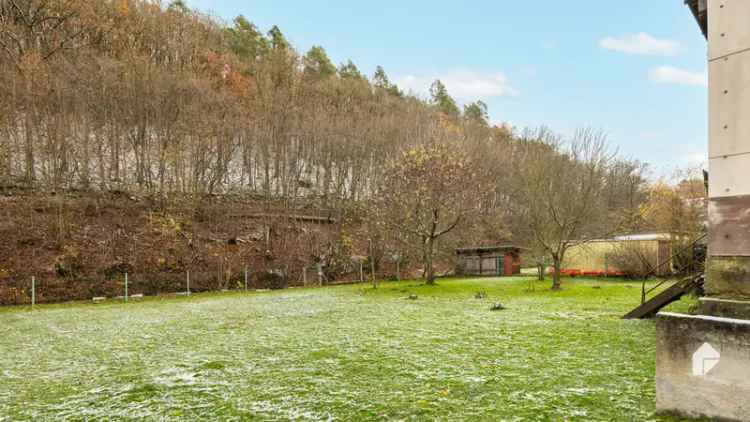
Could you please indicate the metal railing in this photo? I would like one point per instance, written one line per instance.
(653, 271)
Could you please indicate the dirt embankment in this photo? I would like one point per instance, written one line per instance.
(80, 245)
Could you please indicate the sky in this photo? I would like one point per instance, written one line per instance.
(633, 69)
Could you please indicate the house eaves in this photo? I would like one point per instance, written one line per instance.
(700, 11)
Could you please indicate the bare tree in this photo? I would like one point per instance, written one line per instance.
(425, 194)
(564, 191)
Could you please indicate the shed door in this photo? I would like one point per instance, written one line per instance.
(500, 266)
(488, 266)
(510, 269)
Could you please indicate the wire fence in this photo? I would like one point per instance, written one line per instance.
(126, 286)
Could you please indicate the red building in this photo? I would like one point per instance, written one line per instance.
(489, 261)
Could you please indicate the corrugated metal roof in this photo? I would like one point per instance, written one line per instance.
(630, 237)
(645, 236)
(700, 11)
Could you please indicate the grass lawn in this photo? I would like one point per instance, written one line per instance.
(341, 353)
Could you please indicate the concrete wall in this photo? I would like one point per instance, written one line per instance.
(725, 308)
(703, 362)
(729, 149)
(723, 391)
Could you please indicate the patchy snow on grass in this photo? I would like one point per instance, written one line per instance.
(341, 353)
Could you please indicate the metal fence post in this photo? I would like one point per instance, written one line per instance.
(188, 283)
(245, 278)
(126, 287)
(372, 264)
(220, 272)
(33, 291)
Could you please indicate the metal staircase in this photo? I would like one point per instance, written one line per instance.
(651, 307)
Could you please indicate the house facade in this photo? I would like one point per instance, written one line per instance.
(702, 360)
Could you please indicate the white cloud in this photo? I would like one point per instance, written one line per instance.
(462, 84)
(674, 75)
(641, 43)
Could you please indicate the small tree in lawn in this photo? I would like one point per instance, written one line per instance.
(569, 195)
(426, 193)
(681, 210)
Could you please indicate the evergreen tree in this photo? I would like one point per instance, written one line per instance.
(317, 65)
(442, 100)
(278, 40)
(178, 6)
(246, 40)
(349, 70)
(380, 78)
(381, 81)
(477, 112)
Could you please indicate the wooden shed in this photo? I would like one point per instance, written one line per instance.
(489, 261)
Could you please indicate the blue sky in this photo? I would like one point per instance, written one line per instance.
(635, 69)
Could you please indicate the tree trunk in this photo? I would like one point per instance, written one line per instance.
(429, 269)
(29, 173)
(557, 263)
(540, 271)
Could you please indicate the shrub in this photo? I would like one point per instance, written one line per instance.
(633, 259)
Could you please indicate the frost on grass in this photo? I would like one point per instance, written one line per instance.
(334, 354)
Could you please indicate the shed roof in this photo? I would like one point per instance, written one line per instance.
(644, 236)
(632, 237)
(488, 249)
(700, 11)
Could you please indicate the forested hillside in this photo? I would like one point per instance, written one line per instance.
(116, 114)
(137, 95)
(148, 138)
